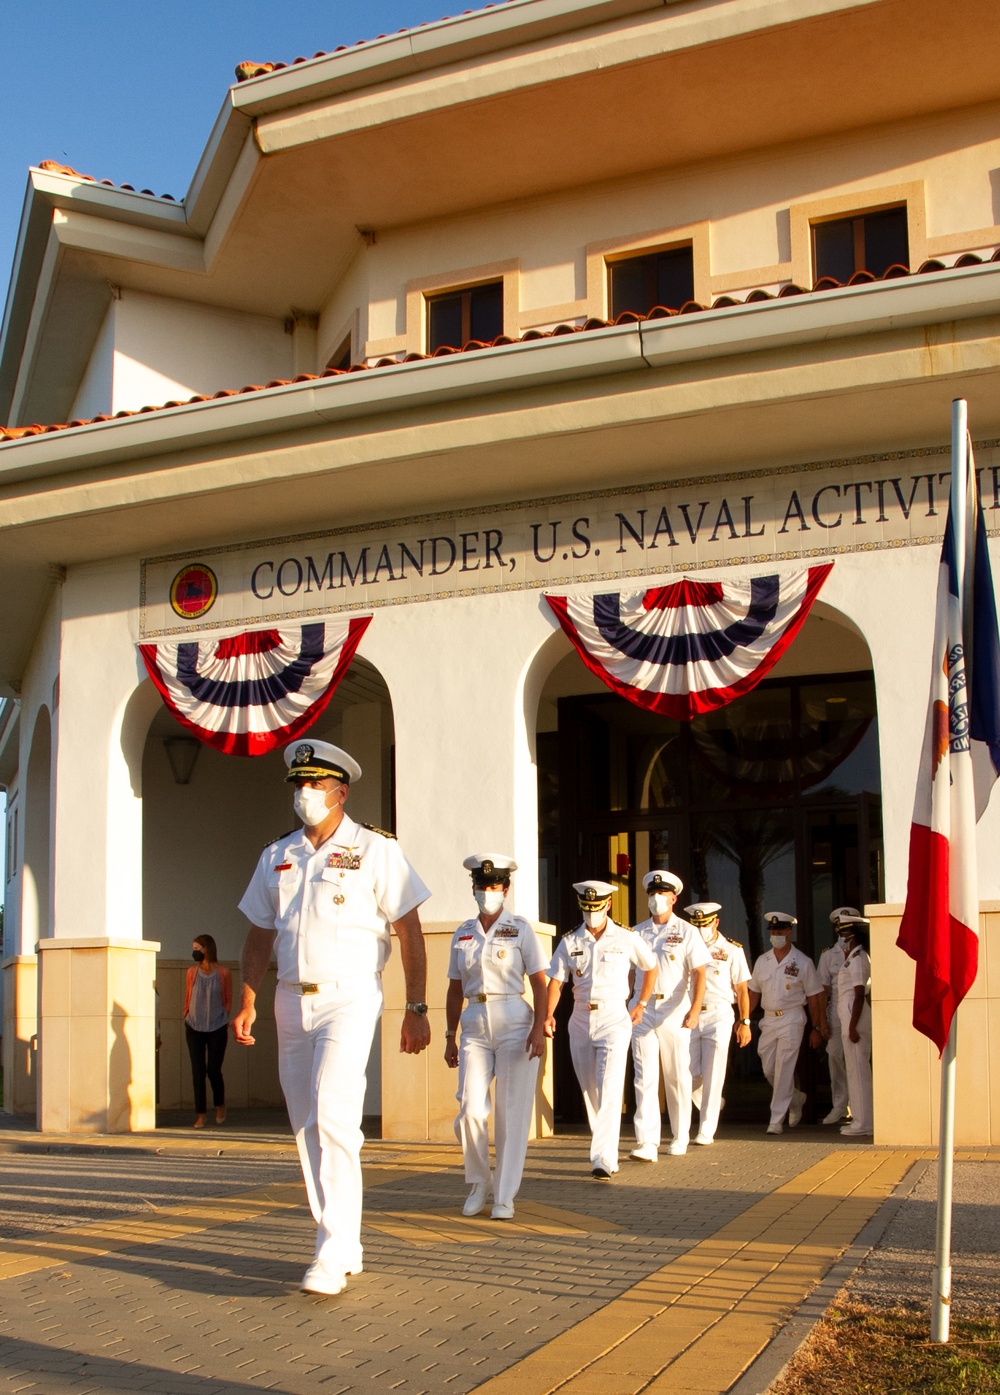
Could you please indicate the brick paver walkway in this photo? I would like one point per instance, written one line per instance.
(177, 1273)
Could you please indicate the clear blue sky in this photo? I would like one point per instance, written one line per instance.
(128, 90)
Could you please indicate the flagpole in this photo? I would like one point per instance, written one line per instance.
(941, 1289)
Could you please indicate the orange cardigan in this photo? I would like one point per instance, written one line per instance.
(225, 983)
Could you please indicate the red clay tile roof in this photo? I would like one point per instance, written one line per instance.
(54, 167)
(245, 71)
(659, 312)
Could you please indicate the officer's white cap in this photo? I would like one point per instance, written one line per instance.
(485, 865)
(843, 913)
(593, 893)
(318, 760)
(780, 920)
(662, 881)
(702, 912)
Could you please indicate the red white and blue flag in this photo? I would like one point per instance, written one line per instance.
(693, 646)
(959, 764)
(248, 693)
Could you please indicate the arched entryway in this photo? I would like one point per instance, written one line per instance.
(773, 802)
(206, 817)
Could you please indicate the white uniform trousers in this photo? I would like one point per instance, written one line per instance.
(858, 1060)
(492, 1049)
(835, 1061)
(780, 1040)
(667, 1045)
(709, 1058)
(598, 1044)
(324, 1040)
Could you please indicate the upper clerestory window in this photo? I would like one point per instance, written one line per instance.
(456, 317)
(864, 242)
(639, 284)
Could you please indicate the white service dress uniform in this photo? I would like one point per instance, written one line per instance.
(831, 961)
(492, 1047)
(659, 1037)
(783, 987)
(330, 908)
(711, 1038)
(600, 1028)
(857, 973)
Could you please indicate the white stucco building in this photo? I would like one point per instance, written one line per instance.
(702, 280)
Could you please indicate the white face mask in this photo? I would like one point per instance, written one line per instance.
(707, 933)
(488, 899)
(594, 919)
(659, 903)
(310, 806)
(779, 941)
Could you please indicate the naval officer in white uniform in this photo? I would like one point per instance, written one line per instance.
(829, 965)
(853, 989)
(596, 959)
(785, 982)
(502, 1038)
(324, 899)
(725, 988)
(662, 1035)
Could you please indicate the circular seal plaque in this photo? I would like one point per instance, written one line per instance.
(193, 591)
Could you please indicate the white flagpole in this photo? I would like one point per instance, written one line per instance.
(941, 1287)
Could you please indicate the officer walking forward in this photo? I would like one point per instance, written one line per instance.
(502, 1039)
(853, 988)
(663, 1033)
(323, 899)
(725, 985)
(831, 961)
(596, 959)
(785, 981)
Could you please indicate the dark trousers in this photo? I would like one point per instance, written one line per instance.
(207, 1050)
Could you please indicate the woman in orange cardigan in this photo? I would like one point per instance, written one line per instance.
(208, 1001)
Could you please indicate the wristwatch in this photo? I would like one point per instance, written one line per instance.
(419, 1008)
(744, 1022)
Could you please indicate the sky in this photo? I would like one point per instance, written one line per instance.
(128, 90)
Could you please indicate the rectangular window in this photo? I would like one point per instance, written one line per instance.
(639, 284)
(865, 242)
(456, 317)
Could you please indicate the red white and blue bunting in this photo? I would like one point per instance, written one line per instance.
(691, 647)
(248, 693)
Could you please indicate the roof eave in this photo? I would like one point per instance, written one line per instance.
(956, 294)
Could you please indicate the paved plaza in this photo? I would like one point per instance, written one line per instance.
(169, 1263)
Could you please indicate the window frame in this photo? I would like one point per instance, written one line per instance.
(465, 291)
(857, 219)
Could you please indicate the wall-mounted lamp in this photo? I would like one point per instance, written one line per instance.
(182, 752)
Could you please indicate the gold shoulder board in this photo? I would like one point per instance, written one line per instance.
(271, 842)
(383, 832)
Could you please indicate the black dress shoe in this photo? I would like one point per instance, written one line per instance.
(601, 1173)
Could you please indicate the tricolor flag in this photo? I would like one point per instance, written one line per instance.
(959, 764)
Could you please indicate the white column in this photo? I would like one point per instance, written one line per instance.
(457, 673)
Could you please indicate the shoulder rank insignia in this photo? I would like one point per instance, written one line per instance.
(271, 841)
(733, 942)
(384, 832)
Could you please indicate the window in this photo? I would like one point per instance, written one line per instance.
(866, 242)
(458, 316)
(640, 284)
